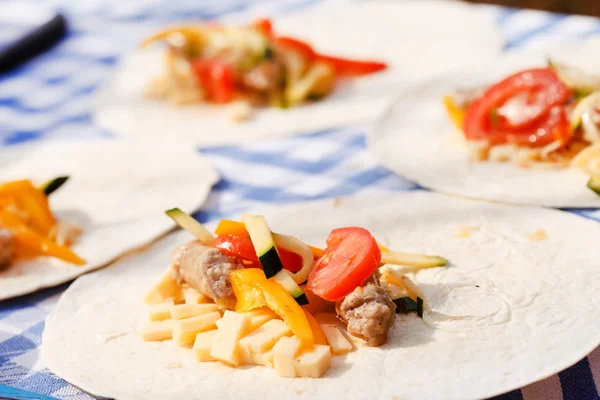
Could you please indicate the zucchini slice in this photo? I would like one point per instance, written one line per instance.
(264, 245)
(594, 183)
(412, 260)
(188, 223)
(405, 305)
(53, 185)
(284, 278)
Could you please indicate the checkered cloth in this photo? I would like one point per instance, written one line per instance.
(49, 98)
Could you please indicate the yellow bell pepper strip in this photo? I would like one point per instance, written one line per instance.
(32, 202)
(35, 204)
(7, 201)
(231, 228)
(456, 114)
(11, 218)
(284, 305)
(246, 284)
(317, 252)
(30, 243)
(317, 331)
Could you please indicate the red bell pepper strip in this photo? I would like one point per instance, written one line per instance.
(298, 46)
(263, 25)
(342, 66)
(346, 67)
(216, 78)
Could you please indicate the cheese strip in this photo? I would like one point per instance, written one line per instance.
(192, 296)
(162, 311)
(327, 318)
(284, 354)
(263, 338)
(166, 288)
(336, 339)
(185, 330)
(231, 328)
(161, 330)
(314, 363)
(203, 344)
(182, 311)
(259, 318)
(264, 359)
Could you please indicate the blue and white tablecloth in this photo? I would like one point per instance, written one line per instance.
(51, 97)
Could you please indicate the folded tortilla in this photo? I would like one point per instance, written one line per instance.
(116, 193)
(417, 39)
(508, 311)
(416, 140)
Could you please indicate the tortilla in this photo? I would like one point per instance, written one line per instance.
(416, 140)
(417, 39)
(508, 311)
(116, 193)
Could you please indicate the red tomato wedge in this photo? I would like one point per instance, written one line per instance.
(243, 249)
(351, 257)
(216, 78)
(240, 248)
(538, 91)
(291, 261)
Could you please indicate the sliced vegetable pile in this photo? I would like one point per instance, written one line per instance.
(27, 226)
(219, 64)
(546, 114)
(285, 293)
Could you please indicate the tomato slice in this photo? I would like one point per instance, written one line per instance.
(240, 248)
(216, 78)
(291, 261)
(243, 249)
(351, 257)
(540, 91)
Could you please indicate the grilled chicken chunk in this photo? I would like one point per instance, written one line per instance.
(368, 311)
(6, 248)
(207, 270)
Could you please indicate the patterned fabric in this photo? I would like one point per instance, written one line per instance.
(47, 98)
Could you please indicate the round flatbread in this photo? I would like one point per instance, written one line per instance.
(116, 193)
(417, 39)
(510, 309)
(416, 140)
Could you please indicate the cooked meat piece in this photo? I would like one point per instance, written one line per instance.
(368, 311)
(6, 248)
(264, 77)
(207, 270)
